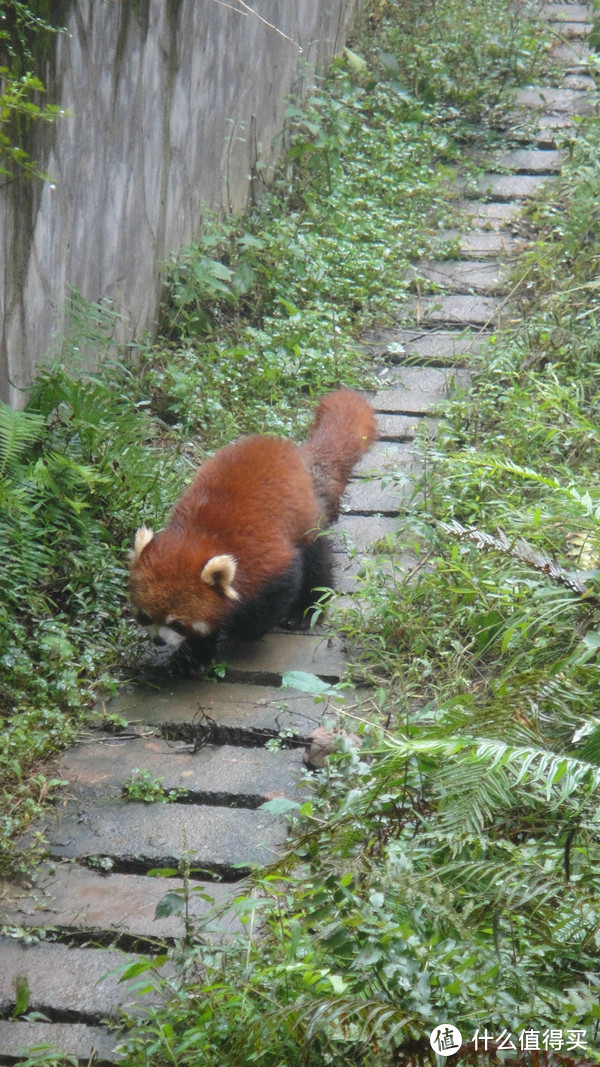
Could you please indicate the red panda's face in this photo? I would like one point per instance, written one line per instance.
(176, 591)
(172, 631)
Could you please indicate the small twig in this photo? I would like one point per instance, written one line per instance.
(251, 11)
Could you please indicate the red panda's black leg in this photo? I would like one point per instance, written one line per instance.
(254, 618)
(193, 653)
(317, 566)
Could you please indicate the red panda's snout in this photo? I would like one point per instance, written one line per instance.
(171, 632)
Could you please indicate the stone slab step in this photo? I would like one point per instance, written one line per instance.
(366, 534)
(349, 580)
(507, 186)
(381, 497)
(481, 243)
(526, 160)
(73, 899)
(68, 984)
(394, 428)
(419, 389)
(214, 774)
(88, 1044)
(455, 310)
(138, 837)
(219, 711)
(566, 12)
(403, 427)
(489, 215)
(579, 81)
(572, 54)
(387, 457)
(549, 131)
(553, 101)
(459, 275)
(572, 30)
(549, 102)
(556, 127)
(265, 661)
(426, 347)
(366, 497)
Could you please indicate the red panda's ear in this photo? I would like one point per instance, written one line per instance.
(220, 571)
(143, 537)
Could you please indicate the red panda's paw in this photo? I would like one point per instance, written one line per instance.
(192, 657)
(297, 621)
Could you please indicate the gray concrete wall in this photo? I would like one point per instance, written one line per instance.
(169, 103)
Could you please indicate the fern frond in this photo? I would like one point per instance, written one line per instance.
(560, 774)
(516, 885)
(520, 550)
(19, 430)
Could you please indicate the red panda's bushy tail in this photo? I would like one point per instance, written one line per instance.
(343, 430)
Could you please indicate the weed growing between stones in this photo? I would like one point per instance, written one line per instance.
(142, 785)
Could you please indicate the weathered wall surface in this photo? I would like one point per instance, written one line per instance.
(169, 103)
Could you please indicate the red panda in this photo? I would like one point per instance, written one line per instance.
(244, 548)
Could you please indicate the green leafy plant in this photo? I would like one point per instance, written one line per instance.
(143, 786)
(22, 33)
(64, 533)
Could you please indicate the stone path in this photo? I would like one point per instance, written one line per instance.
(95, 898)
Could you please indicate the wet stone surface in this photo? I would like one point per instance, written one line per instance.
(424, 347)
(90, 1044)
(499, 187)
(419, 389)
(213, 773)
(231, 713)
(528, 160)
(456, 310)
(79, 984)
(475, 243)
(115, 907)
(493, 215)
(463, 276)
(137, 837)
(565, 12)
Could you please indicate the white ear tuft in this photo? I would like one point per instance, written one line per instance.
(143, 537)
(220, 571)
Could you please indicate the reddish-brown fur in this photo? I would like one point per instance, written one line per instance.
(343, 430)
(261, 501)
